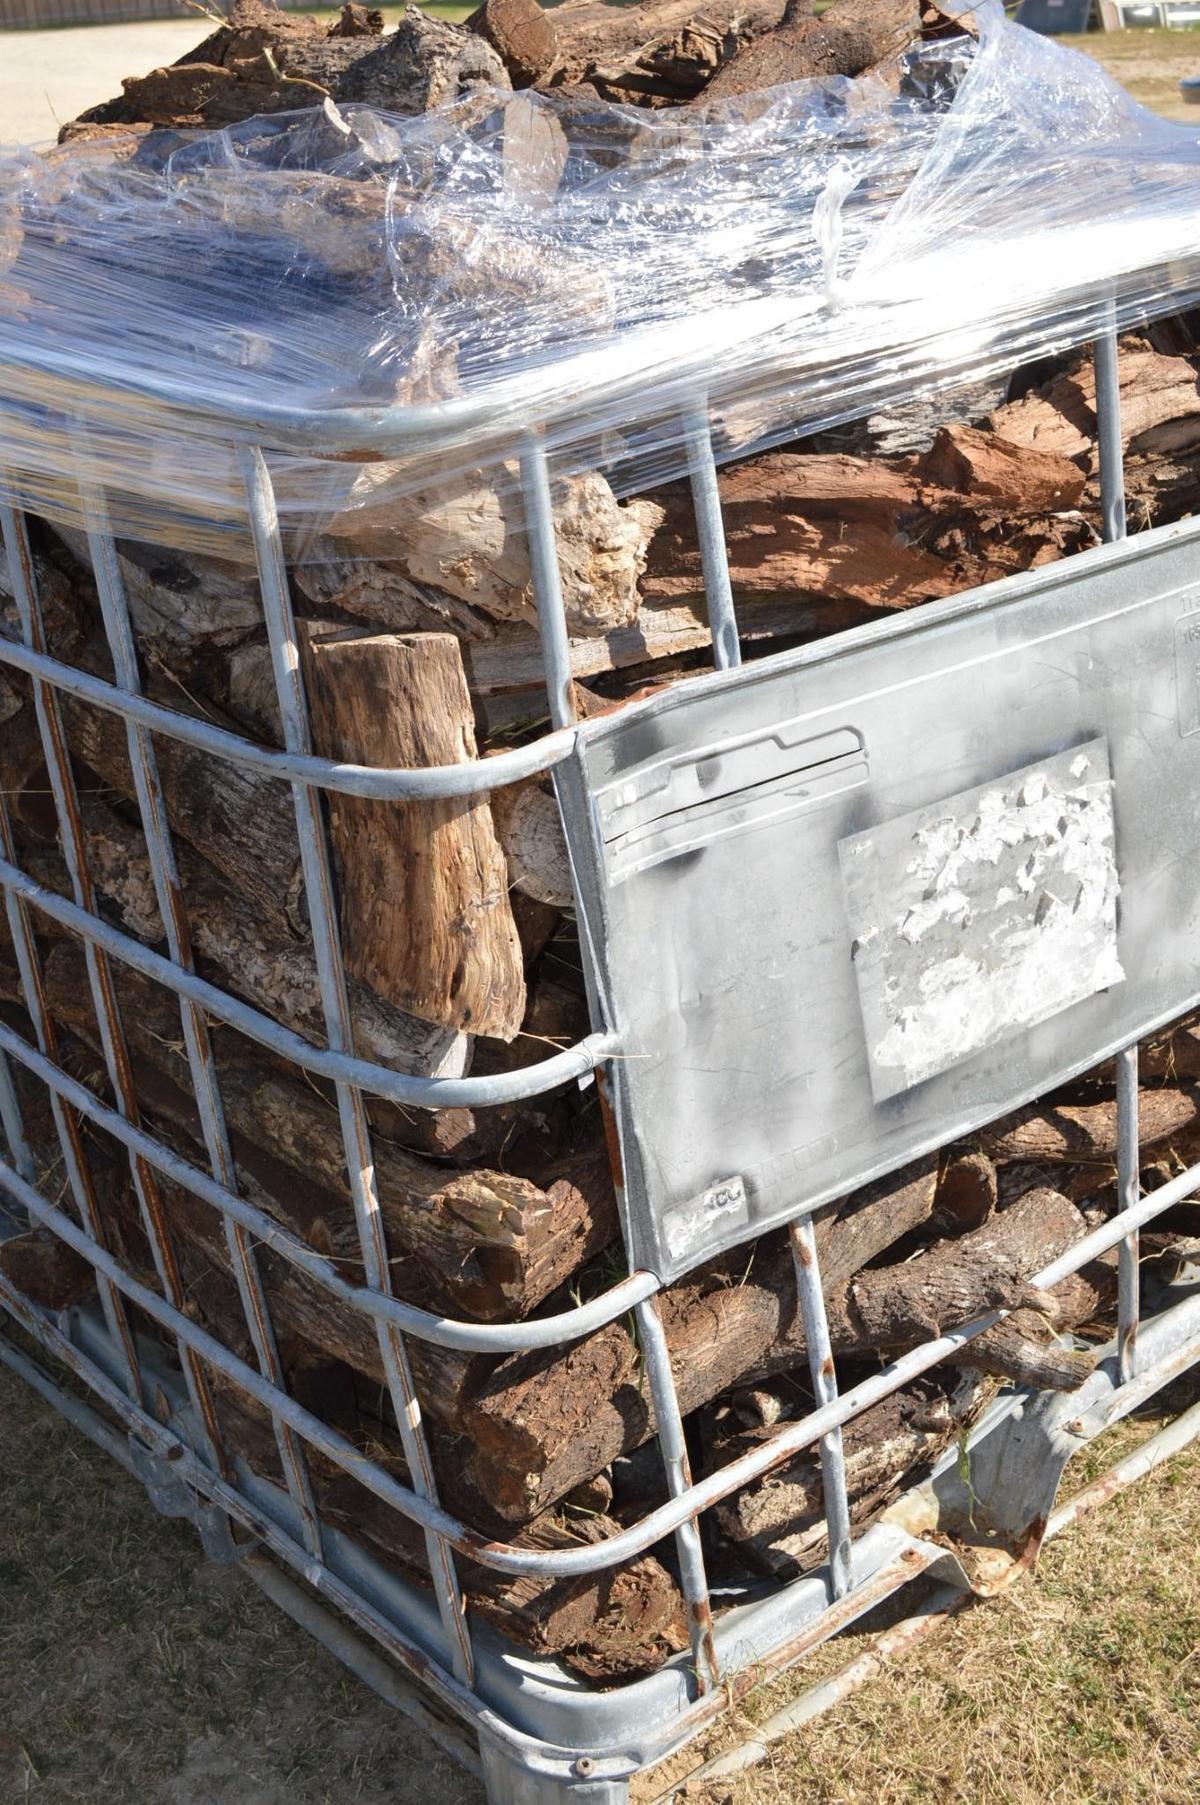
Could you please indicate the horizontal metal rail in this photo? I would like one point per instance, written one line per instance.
(425, 783)
(340, 1068)
(666, 1518)
(441, 1331)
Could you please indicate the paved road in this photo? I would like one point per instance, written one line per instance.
(49, 76)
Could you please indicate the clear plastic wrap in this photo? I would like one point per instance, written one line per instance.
(386, 305)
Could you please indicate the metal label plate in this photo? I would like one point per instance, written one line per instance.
(801, 1007)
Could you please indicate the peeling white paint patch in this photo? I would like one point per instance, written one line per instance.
(983, 915)
(710, 1219)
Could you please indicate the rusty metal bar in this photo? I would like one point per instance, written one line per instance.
(671, 1441)
(356, 1137)
(143, 763)
(825, 1391)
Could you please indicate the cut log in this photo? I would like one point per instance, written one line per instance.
(467, 538)
(881, 532)
(1086, 1134)
(849, 38)
(423, 885)
(544, 1423)
(1031, 1346)
(779, 1521)
(521, 33)
(241, 822)
(530, 829)
(262, 60)
(45, 1270)
(967, 1193)
(483, 1243)
(655, 50)
(610, 1625)
(237, 949)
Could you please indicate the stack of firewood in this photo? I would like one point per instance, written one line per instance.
(420, 649)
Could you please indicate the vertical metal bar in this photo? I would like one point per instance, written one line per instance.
(1112, 507)
(104, 1000)
(824, 1384)
(70, 1138)
(13, 1124)
(66, 1122)
(710, 532)
(679, 1478)
(143, 763)
(547, 582)
(1108, 432)
(356, 1138)
(1129, 1190)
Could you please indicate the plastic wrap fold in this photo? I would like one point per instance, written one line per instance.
(386, 305)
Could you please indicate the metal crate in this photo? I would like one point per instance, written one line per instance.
(736, 844)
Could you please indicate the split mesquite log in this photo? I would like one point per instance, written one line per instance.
(423, 885)
(779, 1521)
(541, 1424)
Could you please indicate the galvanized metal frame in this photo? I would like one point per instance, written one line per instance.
(525, 1752)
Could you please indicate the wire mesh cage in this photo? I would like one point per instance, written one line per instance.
(708, 832)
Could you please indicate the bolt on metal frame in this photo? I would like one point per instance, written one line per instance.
(442, 1650)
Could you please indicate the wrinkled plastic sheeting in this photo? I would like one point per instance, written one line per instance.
(388, 304)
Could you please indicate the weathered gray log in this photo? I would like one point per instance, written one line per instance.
(423, 886)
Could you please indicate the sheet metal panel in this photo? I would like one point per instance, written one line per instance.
(861, 898)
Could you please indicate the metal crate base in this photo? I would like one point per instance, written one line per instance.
(543, 1735)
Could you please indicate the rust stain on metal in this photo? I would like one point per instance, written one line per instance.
(612, 1139)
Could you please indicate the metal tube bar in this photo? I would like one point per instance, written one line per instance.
(356, 1137)
(335, 1064)
(1129, 1186)
(825, 1391)
(1112, 507)
(710, 533)
(703, 1494)
(104, 1000)
(673, 1446)
(13, 1124)
(547, 581)
(66, 1120)
(143, 762)
(441, 1331)
(1108, 432)
(472, 778)
(161, 1439)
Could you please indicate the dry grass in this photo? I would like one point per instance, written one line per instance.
(1149, 64)
(134, 1672)
(1080, 1686)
